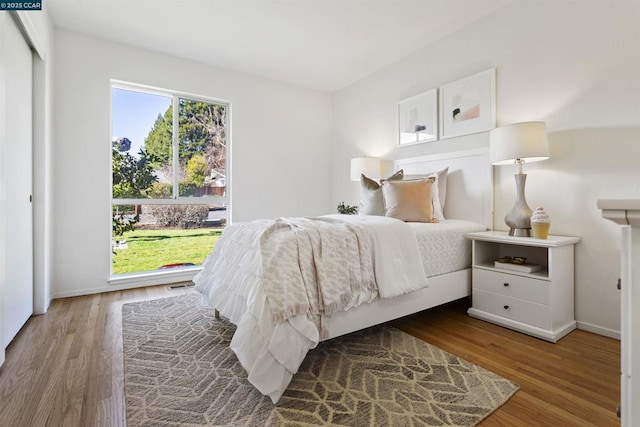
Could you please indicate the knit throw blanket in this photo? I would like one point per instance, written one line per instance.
(316, 266)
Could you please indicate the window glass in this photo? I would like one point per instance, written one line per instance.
(166, 237)
(169, 180)
(202, 148)
(141, 147)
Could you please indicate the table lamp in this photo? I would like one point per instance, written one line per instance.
(516, 144)
(369, 166)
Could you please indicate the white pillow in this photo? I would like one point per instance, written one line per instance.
(371, 200)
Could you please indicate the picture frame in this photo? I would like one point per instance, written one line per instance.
(468, 105)
(418, 118)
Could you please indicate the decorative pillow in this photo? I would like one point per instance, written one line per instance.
(409, 201)
(371, 201)
(439, 195)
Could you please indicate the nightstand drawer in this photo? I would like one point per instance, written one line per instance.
(523, 288)
(512, 308)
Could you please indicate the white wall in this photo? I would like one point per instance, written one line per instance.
(575, 65)
(280, 146)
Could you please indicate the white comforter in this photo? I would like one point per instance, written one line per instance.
(232, 281)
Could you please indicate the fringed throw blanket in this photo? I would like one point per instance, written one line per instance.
(316, 266)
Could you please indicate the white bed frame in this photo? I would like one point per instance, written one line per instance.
(469, 196)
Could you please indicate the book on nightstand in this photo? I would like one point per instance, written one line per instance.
(522, 268)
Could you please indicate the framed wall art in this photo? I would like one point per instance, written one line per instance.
(418, 118)
(468, 105)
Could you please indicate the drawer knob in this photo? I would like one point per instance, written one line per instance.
(506, 307)
(505, 284)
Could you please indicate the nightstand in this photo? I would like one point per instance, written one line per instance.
(538, 303)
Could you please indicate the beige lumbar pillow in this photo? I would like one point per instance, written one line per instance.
(409, 201)
(371, 202)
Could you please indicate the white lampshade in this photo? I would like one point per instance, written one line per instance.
(369, 166)
(523, 141)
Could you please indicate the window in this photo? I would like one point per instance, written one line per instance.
(169, 178)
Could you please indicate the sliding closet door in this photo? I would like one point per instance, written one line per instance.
(16, 277)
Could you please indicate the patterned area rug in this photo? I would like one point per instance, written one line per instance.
(179, 371)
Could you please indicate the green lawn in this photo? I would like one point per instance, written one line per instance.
(150, 249)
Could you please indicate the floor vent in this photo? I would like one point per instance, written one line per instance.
(181, 286)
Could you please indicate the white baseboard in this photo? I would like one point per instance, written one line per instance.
(135, 281)
(599, 330)
(90, 291)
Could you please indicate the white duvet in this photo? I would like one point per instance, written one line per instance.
(232, 282)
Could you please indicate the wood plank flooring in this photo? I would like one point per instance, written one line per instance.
(575, 382)
(65, 368)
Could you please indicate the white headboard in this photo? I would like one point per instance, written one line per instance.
(469, 182)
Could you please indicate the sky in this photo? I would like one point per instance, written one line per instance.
(134, 113)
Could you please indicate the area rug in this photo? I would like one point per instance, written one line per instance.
(179, 371)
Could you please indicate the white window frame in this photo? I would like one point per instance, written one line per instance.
(186, 273)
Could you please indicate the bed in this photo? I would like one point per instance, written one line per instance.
(271, 348)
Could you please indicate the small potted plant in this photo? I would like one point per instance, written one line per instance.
(346, 209)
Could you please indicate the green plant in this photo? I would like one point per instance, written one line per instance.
(161, 190)
(132, 177)
(122, 224)
(346, 209)
(197, 170)
(201, 131)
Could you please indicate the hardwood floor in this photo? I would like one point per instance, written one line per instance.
(65, 367)
(575, 382)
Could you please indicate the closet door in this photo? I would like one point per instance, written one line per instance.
(16, 275)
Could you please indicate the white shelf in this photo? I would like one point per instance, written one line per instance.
(619, 204)
(503, 237)
(541, 274)
(622, 212)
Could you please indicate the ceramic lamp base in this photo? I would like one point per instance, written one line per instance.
(518, 219)
(520, 232)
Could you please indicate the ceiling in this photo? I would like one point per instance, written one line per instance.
(320, 44)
